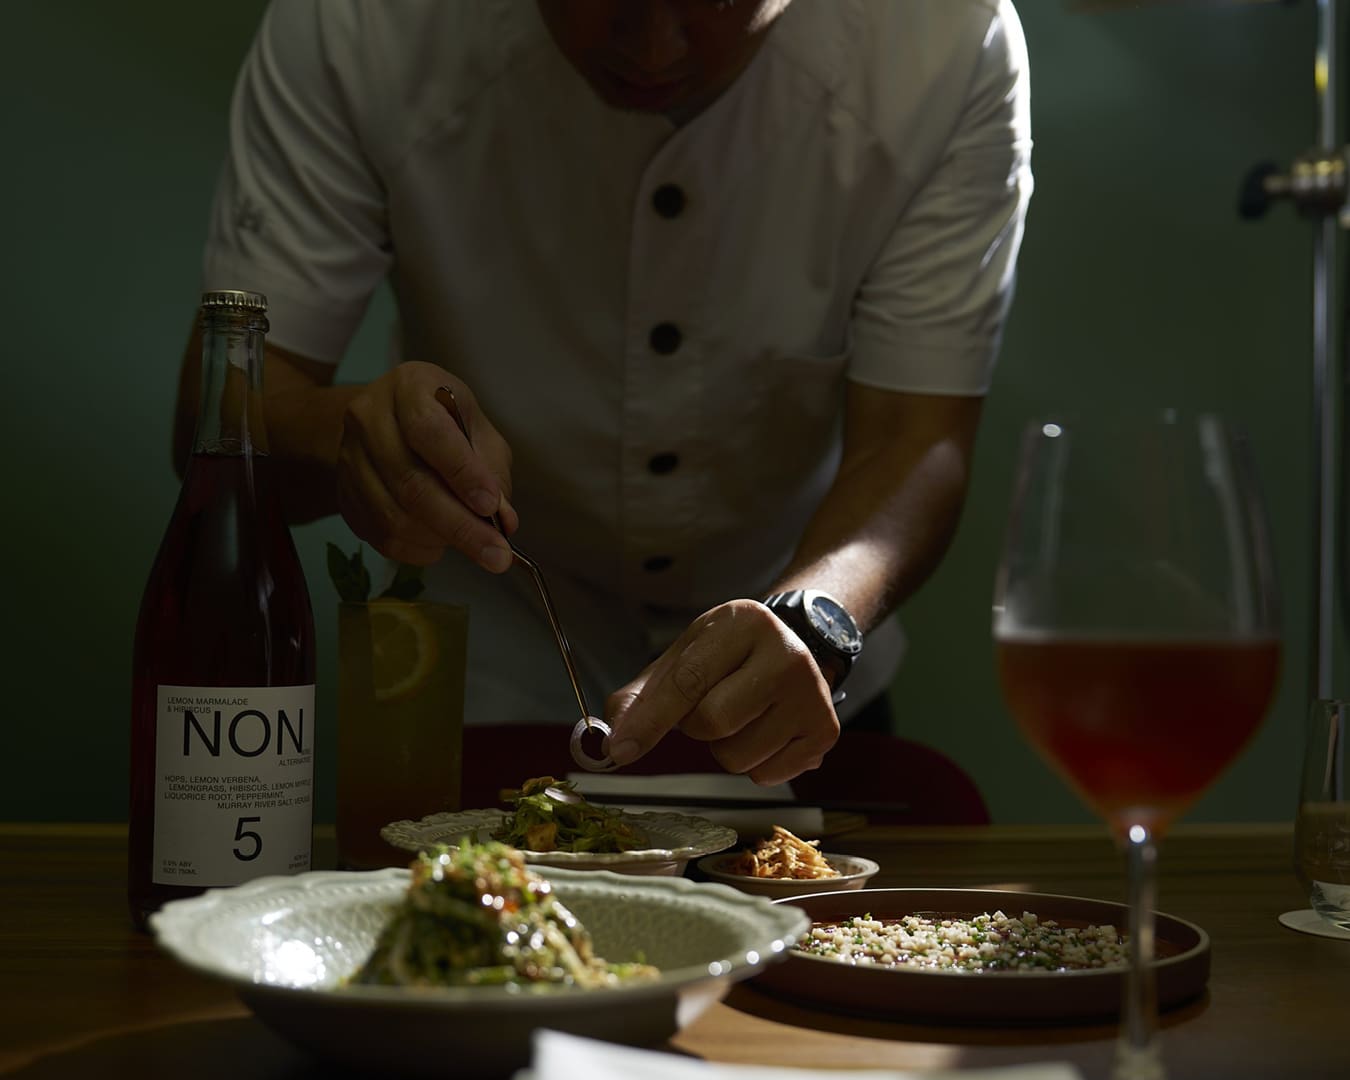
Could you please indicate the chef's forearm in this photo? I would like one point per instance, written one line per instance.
(890, 515)
(304, 431)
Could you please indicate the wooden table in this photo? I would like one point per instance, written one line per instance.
(82, 995)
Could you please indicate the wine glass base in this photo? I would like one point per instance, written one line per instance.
(1308, 921)
(1132, 1063)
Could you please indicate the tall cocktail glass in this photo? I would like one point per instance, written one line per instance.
(401, 669)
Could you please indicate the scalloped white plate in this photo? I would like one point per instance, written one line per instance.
(287, 943)
(673, 840)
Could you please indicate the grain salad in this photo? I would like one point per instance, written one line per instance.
(996, 942)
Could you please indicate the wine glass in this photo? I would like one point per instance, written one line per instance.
(1136, 629)
(1322, 827)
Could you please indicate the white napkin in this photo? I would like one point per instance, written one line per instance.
(805, 821)
(566, 1057)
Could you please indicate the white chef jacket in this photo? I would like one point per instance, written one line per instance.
(659, 319)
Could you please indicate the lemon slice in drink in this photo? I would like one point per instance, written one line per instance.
(403, 648)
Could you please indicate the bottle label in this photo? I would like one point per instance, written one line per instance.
(234, 783)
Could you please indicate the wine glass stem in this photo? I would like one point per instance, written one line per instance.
(1137, 1056)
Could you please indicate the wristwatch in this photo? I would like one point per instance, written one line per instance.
(825, 627)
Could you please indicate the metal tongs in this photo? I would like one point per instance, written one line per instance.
(587, 723)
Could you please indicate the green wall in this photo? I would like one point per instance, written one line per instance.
(1138, 283)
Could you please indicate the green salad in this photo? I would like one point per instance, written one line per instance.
(476, 916)
(543, 822)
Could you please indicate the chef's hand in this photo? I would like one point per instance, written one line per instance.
(739, 680)
(408, 481)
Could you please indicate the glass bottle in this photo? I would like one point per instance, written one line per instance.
(222, 728)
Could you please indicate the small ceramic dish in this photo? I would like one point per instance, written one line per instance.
(671, 841)
(854, 873)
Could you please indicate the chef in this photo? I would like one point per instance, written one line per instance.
(719, 288)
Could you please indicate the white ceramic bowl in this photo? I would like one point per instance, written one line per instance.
(287, 943)
(672, 840)
(854, 873)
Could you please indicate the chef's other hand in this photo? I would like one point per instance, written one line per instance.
(741, 681)
(408, 481)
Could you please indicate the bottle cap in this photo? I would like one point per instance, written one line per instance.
(234, 300)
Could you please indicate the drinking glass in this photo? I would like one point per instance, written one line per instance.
(400, 706)
(1322, 828)
(1136, 630)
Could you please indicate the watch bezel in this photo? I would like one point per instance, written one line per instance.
(849, 644)
(795, 608)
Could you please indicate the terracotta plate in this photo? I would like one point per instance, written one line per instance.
(900, 993)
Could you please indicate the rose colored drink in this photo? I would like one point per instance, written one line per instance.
(1138, 728)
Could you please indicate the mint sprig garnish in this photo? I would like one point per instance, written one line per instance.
(407, 583)
(352, 579)
(350, 576)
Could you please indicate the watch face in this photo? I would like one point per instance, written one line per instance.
(834, 624)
